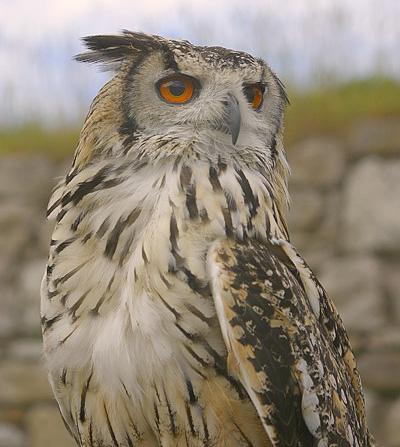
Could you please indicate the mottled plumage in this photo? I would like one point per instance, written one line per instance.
(175, 311)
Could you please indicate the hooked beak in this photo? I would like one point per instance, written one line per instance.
(233, 117)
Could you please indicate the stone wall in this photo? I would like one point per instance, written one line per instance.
(345, 220)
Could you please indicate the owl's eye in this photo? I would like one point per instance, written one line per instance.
(177, 89)
(254, 94)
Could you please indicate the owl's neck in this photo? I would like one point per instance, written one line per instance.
(189, 196)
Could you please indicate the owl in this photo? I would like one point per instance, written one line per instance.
(175, 311)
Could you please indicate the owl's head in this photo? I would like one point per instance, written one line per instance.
(221, 102)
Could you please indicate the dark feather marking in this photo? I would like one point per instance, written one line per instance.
(176, 314)
(144, 255)
(195, 284)
(272, 148)
(221, 368)
(162, 143)
(51, 294)
(49, 270)
(190, 418)
(165, 281)
(78, 220)
(192, 396)
(128, 131)
(126, 392)
(173, 237)
(95, 183)
(170, 412)
(231, 202)
(103, 228)
(191, 336)
(71, 175)
(63, 376)
(170, 62)
(173, 232)
(87, 237)
(72, 310)
(53, 207)
(95, 310)
(177, 159)
(191, 201)
(64, 298)
(214, 179)
(157, 416)
(228, 222)
(185, 177)
(131, 422)
(119, 227)
(249, 443)
(61, 214)
(211, 321)
(204, 215)
(82, 413)
(222, 165)
(91, 433)
(196, 356)
(85, 187)
(128, 439)
(205, 428)
(248, 195)
(48, 323)
(110, 429)
(64, 244)
(61, 342)
(125, 250)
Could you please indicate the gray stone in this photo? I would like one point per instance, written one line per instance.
(392, 424)
(11, 436)
(22, 383)
(26, 178)
(380, 371)
(318, 161)
(8, 306)
(384, 339)
(391, 283)
(372, 206)
(25, 349)
(379, 136)
(305, 211)
(45, 427)
(353, 285)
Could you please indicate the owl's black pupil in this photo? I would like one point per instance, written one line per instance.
(250, 94)
(177, 87)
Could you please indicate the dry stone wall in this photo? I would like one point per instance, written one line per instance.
(344, 219)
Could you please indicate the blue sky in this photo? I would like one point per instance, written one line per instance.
(307, 42)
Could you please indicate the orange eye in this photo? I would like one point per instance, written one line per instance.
(254, 94)
(177, 89)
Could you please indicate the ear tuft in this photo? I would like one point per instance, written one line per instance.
(111, 50)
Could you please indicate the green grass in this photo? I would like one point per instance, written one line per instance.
(33, 139)
(324, 111)
(334, 110)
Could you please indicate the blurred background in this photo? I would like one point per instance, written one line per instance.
(340, 62)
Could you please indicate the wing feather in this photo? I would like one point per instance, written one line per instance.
(288, 345)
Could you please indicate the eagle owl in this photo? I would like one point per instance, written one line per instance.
(175, 311)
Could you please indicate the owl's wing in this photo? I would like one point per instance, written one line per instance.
(287, 345)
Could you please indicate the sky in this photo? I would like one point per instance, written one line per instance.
(307, 42)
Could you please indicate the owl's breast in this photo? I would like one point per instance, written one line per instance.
(133, 341)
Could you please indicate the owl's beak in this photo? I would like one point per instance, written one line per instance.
(233, 117)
